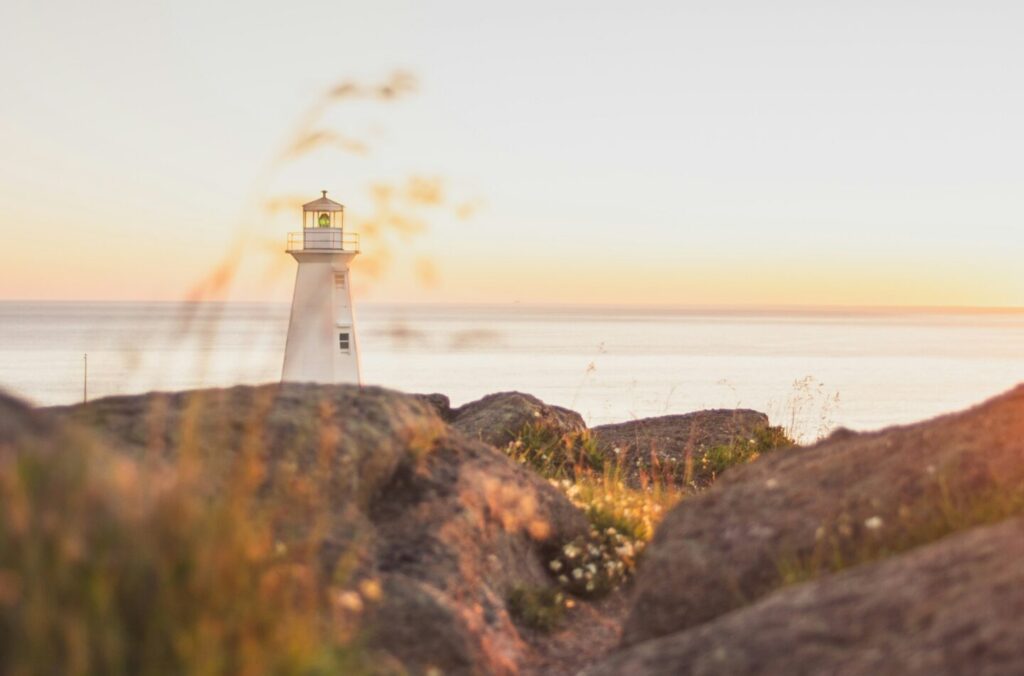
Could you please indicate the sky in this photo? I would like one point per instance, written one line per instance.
(679, 153)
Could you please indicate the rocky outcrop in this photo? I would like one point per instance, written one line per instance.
(362, 510)
(439, 402)
(498, 419)
(444, 524)
(952, 607)
(850, 498)
(19, 421)
(671, 447)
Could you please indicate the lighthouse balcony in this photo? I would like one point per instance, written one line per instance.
(323, 239)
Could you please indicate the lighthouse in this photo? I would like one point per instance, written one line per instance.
(321, 345)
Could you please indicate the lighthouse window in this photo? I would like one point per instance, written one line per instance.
(343, 342)
(339, 280)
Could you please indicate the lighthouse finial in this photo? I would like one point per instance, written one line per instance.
(324, 193)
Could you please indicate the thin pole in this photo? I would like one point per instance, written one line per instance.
(85, 378)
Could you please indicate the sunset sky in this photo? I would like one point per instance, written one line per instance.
(668, 153)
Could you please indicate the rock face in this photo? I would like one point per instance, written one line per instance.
(446, 524)
(18, 421)
(439, 402)
(498, 418)
(891, 552)
(664, 445)
(851, 496)
(952, 607)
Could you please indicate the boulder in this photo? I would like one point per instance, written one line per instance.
(444, 525)
(498, 419)
(19, 421)
(439, 402)
(848, 499)
(951, 607)
(671, 447)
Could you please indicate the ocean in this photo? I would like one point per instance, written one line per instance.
(809, 370)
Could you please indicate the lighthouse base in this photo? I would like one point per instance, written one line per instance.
(321, 345)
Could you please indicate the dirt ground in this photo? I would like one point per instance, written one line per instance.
(590, 630)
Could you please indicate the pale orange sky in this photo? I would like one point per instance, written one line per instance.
(682, 154)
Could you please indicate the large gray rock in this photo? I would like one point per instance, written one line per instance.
(447, 524)
(672, 446)
(498, 419)
(848, 498)
(951, 607)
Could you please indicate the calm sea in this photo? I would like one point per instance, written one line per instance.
(809, 370)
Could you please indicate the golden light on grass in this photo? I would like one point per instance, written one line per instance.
(104, 572)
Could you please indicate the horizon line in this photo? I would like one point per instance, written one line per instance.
(597, 305)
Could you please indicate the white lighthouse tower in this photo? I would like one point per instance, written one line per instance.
(322, 345)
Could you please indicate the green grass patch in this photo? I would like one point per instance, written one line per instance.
(741, 451)
(540, 608)
(554, 455)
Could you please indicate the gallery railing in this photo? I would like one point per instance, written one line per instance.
(323, 239)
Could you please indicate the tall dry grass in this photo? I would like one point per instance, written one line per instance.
(111, 564)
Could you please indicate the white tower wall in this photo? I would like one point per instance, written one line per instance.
(321, 316)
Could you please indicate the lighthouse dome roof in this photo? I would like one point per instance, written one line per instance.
(323, 204)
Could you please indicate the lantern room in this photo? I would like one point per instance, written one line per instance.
(323, 213)
(323, 229)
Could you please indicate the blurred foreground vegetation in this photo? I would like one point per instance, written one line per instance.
(111, 565)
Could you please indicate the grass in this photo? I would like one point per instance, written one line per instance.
(609, 503)
(942, 511)
(700, 470)
(622, 519)
(741, 451)
(112, 566)
(540, 608)
(554, 455)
